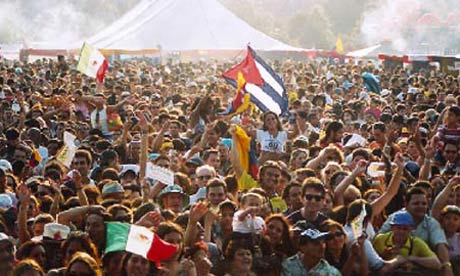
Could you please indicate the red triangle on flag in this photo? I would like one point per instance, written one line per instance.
(249, 70)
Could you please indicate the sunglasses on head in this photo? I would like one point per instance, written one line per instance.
(316, 197)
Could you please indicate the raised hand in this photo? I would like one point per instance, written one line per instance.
(23, 192)
(197, 212)
(151, 219)
(360, 167)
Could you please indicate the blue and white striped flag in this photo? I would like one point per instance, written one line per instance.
(262, 83)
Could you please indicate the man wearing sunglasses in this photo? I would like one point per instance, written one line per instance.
(310, 260)
(313, 193)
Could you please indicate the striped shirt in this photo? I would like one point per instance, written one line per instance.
(447, 133)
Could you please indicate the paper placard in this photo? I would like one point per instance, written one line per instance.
(160, 174)
(68, 150)
(356, 139)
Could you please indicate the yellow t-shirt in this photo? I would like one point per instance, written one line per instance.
(414, 246)
(246, 182)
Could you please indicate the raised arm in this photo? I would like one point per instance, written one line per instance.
(322, 156)
(426, 166)
(343, 185)
(441, 200)
(24, 195)
(196, 213)
(380, 203)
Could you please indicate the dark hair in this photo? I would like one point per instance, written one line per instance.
(85, 242)
(27, 265)
(216, 182)
(333, 126)
(127, 256)
(355, 208)
(208, 152)
(235, 245)
(26, 248)
(89, 261)
(361, 152)
(313, 183)
(412, 192)
(278, 122)
(82, 153)
(287, 189)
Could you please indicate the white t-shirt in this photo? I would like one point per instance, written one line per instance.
(270, 143)
(249, 225)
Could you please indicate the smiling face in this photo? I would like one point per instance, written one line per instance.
(137, 266)
(417, 206)
(271, 121)
(242, 260)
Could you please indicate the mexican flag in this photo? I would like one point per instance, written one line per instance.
(138, 240)
(92, 63)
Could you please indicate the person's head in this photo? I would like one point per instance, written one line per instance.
(337, 237)
(227, 209)
(329, 170)
(251, 200)
(32, 250)
(450, 219)
(109, 158)
(450, 151)
(313, 192)
(356, 207)
(350, 194)
(204, 174)
(173, 198)
(95, 227)
(78, 241)
(298, 157)
(198, 253)
(378, 132)
(112, 263)
(416, 203)
(371, 195)
(120, 213)
(82, 161)
(269, 174)
(359, 154)
(401, 225)
(453, 114)
(334, 132)
(136, 265)
(172, 233)
(239, 254)
(83, 264)
(271, 121)
(28, 267)
(277, 229)
(292, 195)
(7, 257)
(38, 225)
(211, 158)
(216, 191)
(312, 244)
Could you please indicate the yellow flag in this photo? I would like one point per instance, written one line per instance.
(339, 45)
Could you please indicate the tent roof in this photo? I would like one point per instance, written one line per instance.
(183, 25)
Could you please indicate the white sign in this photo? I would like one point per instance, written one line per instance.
(160, 174)
(68, 150)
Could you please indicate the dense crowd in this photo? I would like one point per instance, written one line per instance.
(345, 158)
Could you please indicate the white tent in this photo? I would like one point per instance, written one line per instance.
(361, 53)
(177, 25)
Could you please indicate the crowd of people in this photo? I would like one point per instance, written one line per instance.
(387, 161)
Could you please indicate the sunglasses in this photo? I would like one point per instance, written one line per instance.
(204, 177)
(336, 234)
(316, 197)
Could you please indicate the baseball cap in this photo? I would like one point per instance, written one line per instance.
(5, 165)
(453, 209)
(5, 201)
(314, 234)
(402, 218)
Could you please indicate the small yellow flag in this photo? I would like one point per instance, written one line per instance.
(339, 45)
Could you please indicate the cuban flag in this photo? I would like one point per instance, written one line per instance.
(261, 82)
